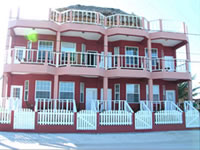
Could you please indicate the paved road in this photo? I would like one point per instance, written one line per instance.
(176, 140)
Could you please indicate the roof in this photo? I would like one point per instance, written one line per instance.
(105, 11)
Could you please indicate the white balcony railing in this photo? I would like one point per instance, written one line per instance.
(95, 60)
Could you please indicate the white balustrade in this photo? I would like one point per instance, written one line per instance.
(55, 104)
(5, 116)
(86, 120)
(192, 115)
(55, 117)
(115, 117)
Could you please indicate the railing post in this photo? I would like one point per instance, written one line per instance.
(145, 67)
(118, 62)
(13, 56)
(49, 14)
(163, 64)
(148, 26)
(59, 18)
(105, 21)
(70, 16)
(97, 60)
(68, 59)
(143, 22)
(161, 26)
(46, 57)
(118, 20)
(184, 27)
(98, 18)
(18, 13)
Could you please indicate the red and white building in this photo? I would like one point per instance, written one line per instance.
(90, 71)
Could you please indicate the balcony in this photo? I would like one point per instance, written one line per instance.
(117, 20)
(84, 63)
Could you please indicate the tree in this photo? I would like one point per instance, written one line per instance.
(183, 90)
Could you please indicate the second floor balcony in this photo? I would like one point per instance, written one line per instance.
(91, 63)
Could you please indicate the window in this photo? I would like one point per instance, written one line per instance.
(43, 89)
(68, 47)
(45, 46)
(132, 56)
(132, 93)
(66, 90)
(154, 55)
(156, 93)
(26, 88)
(81, 92)
(117, 91)
(29, 47)
(116, 53)
(83, 50)
(20, 53)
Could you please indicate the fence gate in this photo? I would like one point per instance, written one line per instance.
(86, 120)
(143, 120)
(192, 118)
(24, 119)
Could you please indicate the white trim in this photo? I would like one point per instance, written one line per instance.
(68, 82)
(30, 44)
(26, 90)
(133, 47)
(146, 54)
(96, 90)
(115, 91)
(21, 93)
(67, 42)
(43, 80)
(82, 84)
(46, 41)
(173, 91)
(133, 93)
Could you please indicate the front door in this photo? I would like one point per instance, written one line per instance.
(19, 54)
(170, 97)
(108, 100)
(16, 94)
(169, 63)
(91, 95)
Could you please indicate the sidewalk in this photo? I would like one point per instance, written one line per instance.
(183, 140)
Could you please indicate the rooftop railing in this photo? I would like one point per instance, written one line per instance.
(117, 20)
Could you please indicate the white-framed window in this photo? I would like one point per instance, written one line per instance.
(117, 91)
(43, 89)
(83, 50)
(82, 92)
(26, 89)
(45, 46)
(156, 92)
(116, 53)
(131, 55)
(29, 45)
(154, 55)
(132, 93)
(68, 47)
(66, 90)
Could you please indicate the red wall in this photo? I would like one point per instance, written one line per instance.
(96, 45)
(89, 83)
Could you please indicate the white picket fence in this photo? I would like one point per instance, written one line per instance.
(168, 117)
(24, 119)
(86, 120)
(5, 116)
(113, 117)
(192, 116)
(143, 118)
(55, 117)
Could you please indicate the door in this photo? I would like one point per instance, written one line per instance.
(91, 95)
(170, 97)
(16, 96)
(109, 60)
(109, 99)
(19, 54)
(169, 63)
(91, 58)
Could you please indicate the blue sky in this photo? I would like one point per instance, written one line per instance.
(181, 10)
